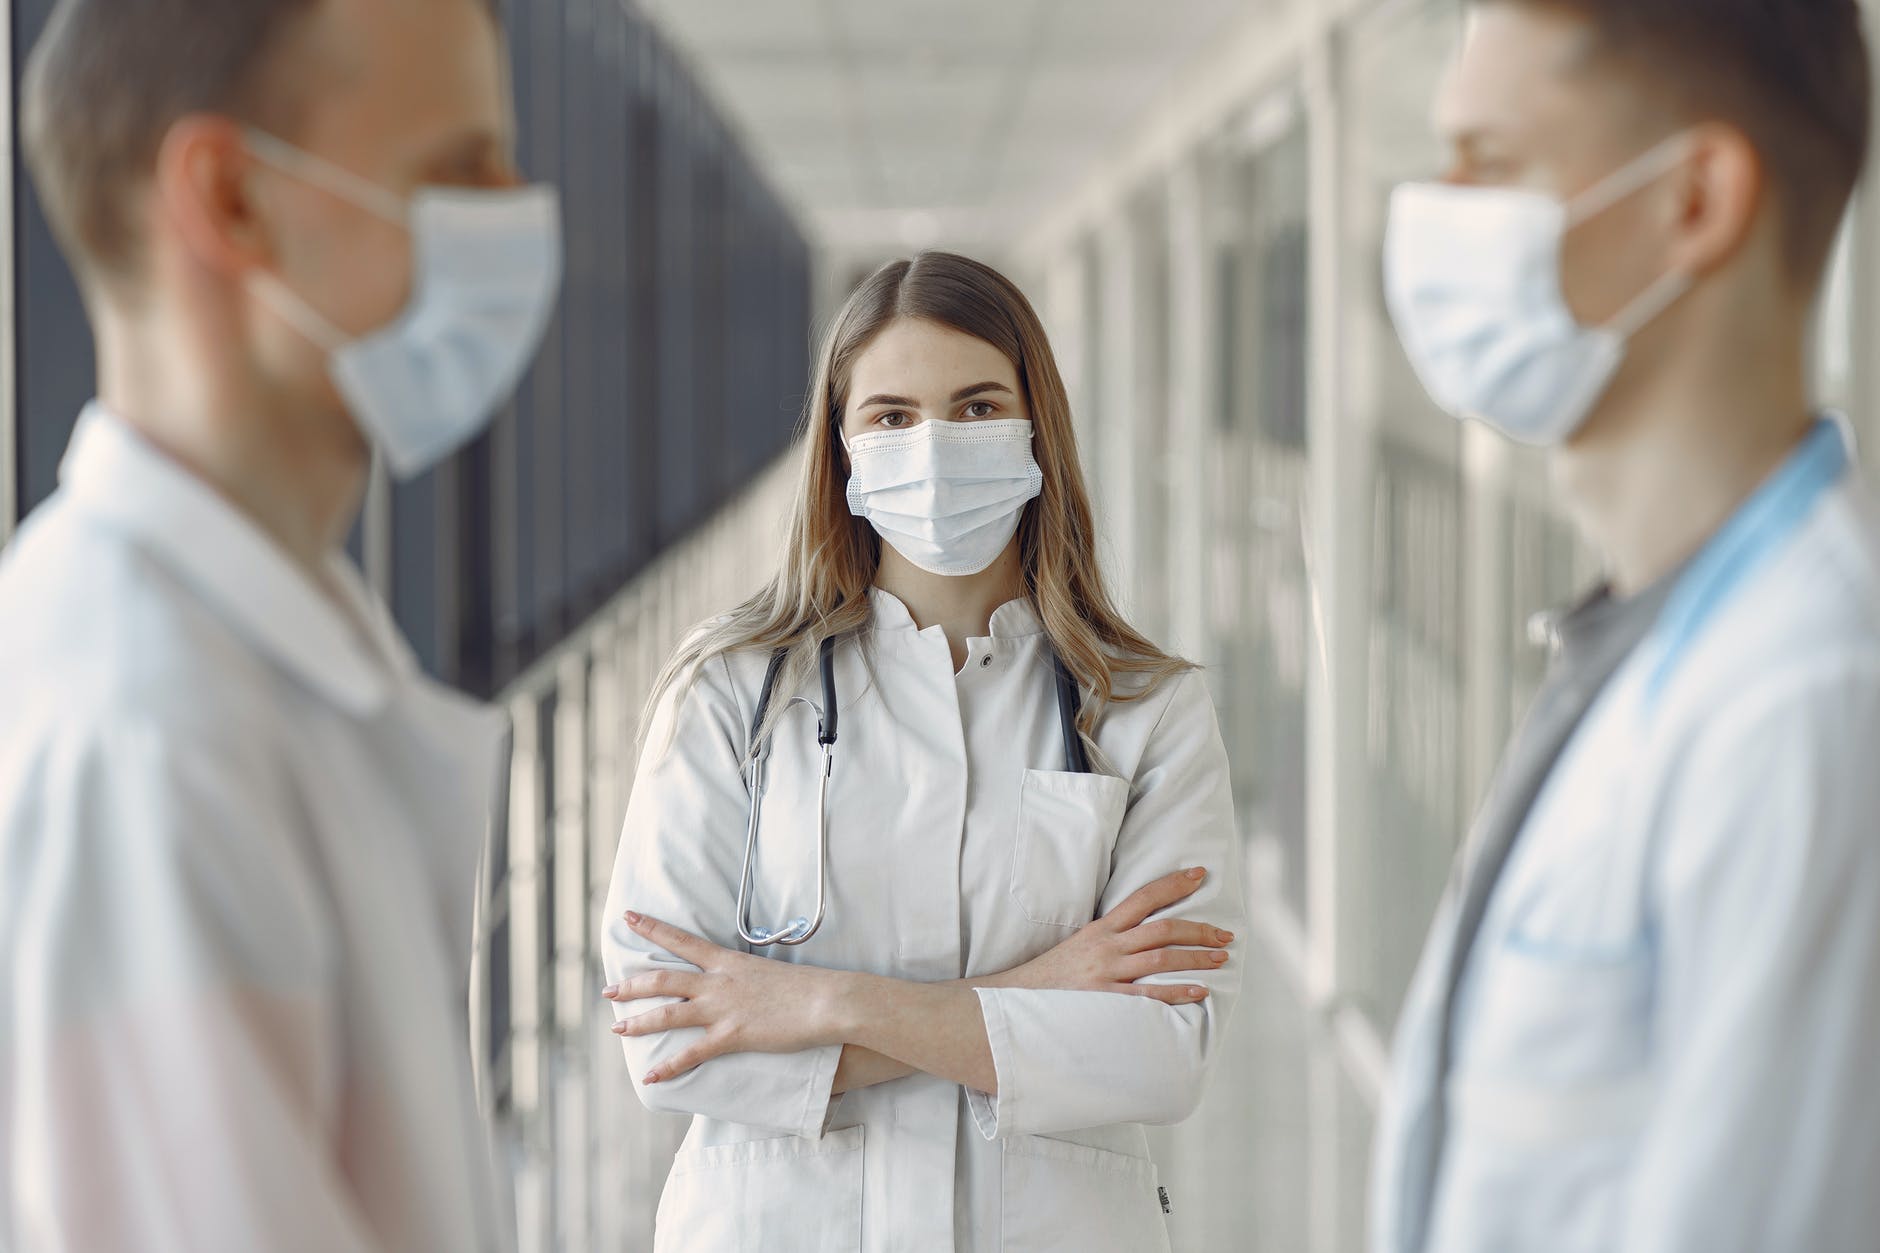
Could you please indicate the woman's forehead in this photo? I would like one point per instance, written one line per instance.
(915, 355)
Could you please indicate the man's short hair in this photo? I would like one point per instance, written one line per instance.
(1792, 75)
(106, 82)
(109, 78)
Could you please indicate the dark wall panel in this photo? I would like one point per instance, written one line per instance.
(677, 357)
(53, 351)
(677, 324)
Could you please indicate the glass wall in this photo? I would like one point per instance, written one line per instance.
(1396, 867)
(1261, 605)
(1150, 415)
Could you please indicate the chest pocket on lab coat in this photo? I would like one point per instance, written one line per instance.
(1548, 1098)
(1067, 825)
(780, 1195)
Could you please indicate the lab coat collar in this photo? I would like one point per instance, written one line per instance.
(1015, 619)
(114, 475)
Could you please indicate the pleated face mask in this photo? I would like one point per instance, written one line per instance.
(1473, 276)
(947, 496)
(487, 270)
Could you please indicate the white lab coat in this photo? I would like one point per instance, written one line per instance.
(959, 846)
(1667, 1032)
(238, 837)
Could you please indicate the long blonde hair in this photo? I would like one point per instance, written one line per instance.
(831, 557)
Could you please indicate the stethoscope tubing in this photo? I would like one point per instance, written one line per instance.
(799, 930)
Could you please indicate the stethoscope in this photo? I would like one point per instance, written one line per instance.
(798, 930)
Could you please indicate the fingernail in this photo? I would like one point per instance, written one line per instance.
(1197, 873)
(609, 990)
(619, 1028)
(1197, 993)
(652, 1077)
(1225, 937)
(633, 918)
(1219, 958)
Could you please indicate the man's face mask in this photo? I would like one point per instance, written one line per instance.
(1473, 280)
(486, 274)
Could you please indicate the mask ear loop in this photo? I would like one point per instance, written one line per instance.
(297, 313)
(1650, 304)
(356, 190)
(1628, 180)
(1632, 177)
(317, 171)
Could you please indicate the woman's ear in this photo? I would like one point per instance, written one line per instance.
(841, 442)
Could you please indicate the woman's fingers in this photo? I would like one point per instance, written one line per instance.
(1152, 897)
(684, 983)
(688, 1059)
(675, 941)
(1159, 961)
(665, 1018)
(1168, 994)
(1169, 931)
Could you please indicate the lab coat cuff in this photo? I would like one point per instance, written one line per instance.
(993, 1114)
(820, 1101)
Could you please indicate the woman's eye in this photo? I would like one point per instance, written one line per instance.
(894, 421)
(981, 409)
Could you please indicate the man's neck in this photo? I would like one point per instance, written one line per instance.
(963, 607)
(299, 476)
(1661, 470)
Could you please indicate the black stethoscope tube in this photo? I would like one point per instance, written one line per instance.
(799, 930)
(1069, 704)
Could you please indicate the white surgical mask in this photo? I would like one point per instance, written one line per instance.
(947, 495)
(486, 273)
(1473, 279)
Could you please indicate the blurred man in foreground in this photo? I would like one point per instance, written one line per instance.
(1647, 1017)
(237, 828)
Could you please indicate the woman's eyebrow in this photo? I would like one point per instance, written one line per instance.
(979, 389)
(965, 393)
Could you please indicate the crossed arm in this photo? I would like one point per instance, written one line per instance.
(767, 1043)
(891, 1028)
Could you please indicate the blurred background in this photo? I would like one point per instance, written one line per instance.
(1192, 191)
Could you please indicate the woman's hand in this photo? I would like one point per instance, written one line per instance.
(749, 1004)
(1112, 953)
(745, 1004)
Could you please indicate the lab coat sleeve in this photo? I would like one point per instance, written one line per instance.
(680, 856)
(174, 1053)
(1071, 1060)
(1765, 1133)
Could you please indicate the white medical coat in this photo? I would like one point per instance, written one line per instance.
(959, 846)
(1667, 1030)
(238, 838)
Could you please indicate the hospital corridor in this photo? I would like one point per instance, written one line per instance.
(1201, 199)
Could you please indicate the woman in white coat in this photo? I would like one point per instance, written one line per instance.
(1031, 858)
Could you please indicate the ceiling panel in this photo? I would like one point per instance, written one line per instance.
(885, 120)
(904, 28)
